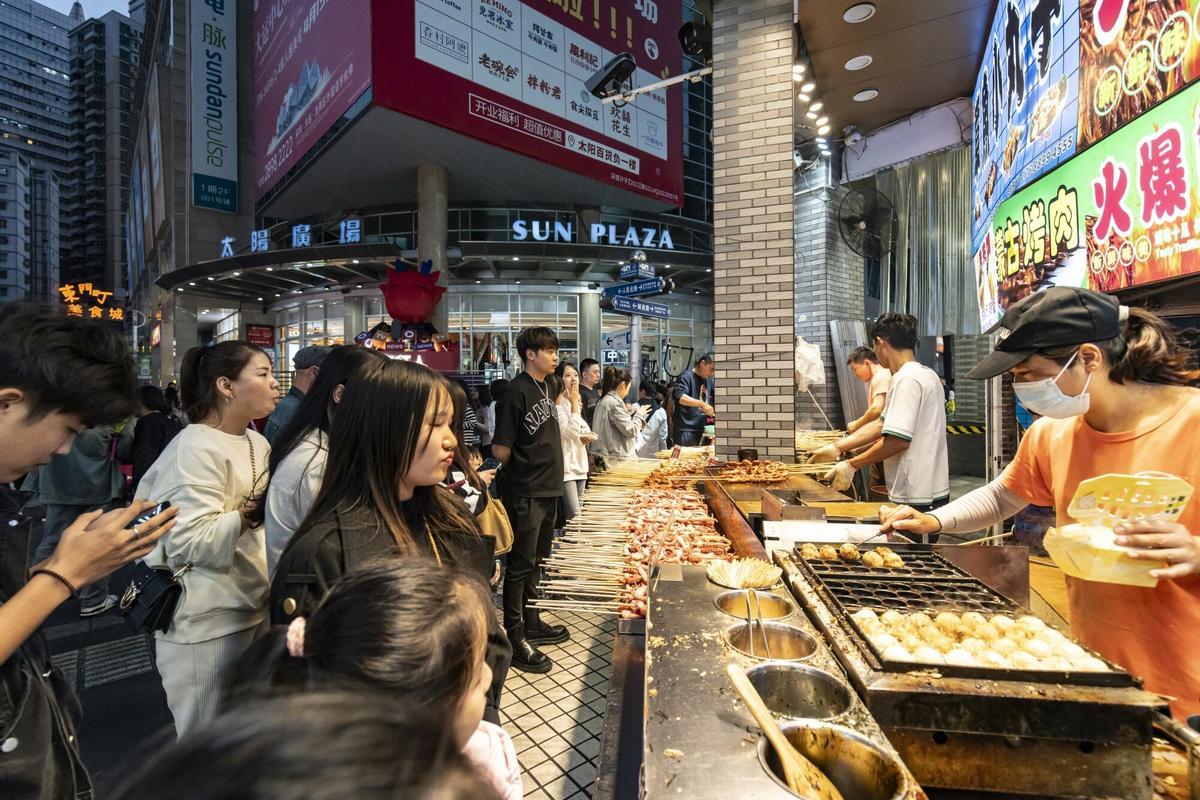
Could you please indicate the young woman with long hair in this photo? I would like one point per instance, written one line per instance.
(1116, 395)
(301, 447)
(154, 429)
(576, 436)
(615, 426)
(214, 471)
(390, 446)
(412, 630)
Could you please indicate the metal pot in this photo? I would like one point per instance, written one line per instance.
(764, 604)
(858, 767)
(770, 641)
(800, 692)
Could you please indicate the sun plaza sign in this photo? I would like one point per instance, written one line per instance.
(597, 233)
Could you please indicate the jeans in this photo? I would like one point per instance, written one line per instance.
(532, 521)
(58, 519)
(572, 497)
(687, 438)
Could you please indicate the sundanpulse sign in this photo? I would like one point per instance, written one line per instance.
(598, 233)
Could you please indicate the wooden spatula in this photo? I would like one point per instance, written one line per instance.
(802, 776)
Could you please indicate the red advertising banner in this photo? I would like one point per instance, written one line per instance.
(1133, 54)
(312, 60)
(260, 335)
(512, 74)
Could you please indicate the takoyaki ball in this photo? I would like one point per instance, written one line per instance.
(930, 633)
(919, 619)
(944, 644)
(973, 619)
(1022, 660)
(893, 561)
(1037, 648)
(986, 631)
(809, 551)
(990, 658)
(1001, 622)
(973, 645)
(827, 552)
(872, 560)
(864, 613)
(885, 551)
(1069, 650)
(912, 643)
(1057, 663)
(948, 621)
(897, 653)
(1005, 647)
(961, 658)
(849, 552)
(872, 627)
(1090, 664)
(1031, 624)
(928, 655)
(891, 617)
(883, 641)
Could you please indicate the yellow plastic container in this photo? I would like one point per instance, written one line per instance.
(1087, 549)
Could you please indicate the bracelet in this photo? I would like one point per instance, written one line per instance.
(70, 587)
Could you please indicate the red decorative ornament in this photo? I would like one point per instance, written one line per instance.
(411, 295)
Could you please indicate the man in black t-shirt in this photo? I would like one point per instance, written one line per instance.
(693, 395)
(589, 378)
(528, 443)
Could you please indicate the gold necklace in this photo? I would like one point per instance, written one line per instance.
(433, 544)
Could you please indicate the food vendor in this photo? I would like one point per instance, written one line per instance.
(910, 436)
(1114, 390)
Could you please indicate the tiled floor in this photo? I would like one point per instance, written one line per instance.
(555, 719)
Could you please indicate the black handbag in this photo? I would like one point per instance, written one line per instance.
(148, 603)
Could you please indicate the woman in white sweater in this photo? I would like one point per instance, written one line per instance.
(576, 436)
(214, 471)
(616, 428)
(302, 447)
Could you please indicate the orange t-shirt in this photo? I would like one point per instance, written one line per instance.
(1153, 633)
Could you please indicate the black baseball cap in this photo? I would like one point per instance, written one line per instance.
(1058, 316)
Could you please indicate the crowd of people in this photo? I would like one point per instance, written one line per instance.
(354, 544)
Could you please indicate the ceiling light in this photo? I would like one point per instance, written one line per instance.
(822, 120)
(821, 140)
(236, 274)
(355, 261)
(797, 71)
(260, 299)
(804, 97)
(666, 266)
(478, 281)
(295, 291)
(824, 129)
(358, 286)
(859, 62)
(811, 114)
(570, 261)
(191, 283)
(212, 279)
(859, 12)
(180, 289)
(277, 294)
(205, 311)
(866, 95)
(270, 269)
(817, 106)
(808, 87)
(708, 270)
(517, 282)
(697, 291)
(516, 258)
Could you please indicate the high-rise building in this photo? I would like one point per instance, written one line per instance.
(104, 53)
(35, 135)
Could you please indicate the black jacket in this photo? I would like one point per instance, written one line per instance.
(327, 550)
(150, 438)
(38, 709)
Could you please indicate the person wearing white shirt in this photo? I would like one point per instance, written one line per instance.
(910, 436)
(615, 426)
(576, 436)
(302, 447)
(866, 367)
(654, 436)
(214, 471)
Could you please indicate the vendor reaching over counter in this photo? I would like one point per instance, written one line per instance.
(910, 436)
(1114, 390)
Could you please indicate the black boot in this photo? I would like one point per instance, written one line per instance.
(526, 657)
(539, 632)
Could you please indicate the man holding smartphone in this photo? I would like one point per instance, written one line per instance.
(58, 375)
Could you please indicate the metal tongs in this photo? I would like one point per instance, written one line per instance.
(750, 624)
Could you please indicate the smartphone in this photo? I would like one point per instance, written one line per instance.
(491, 463)
(148, 514)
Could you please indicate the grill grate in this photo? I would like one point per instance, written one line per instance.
(918, 563)
(916, 595)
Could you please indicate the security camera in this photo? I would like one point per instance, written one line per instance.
(608, 80)
(852, 135)
(696, 39)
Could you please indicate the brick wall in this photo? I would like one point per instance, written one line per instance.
(828, 286)
(752, 219)
(969, 395)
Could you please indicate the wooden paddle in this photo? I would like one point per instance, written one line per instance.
(802, 776)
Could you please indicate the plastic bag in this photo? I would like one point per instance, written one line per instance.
(809, 369)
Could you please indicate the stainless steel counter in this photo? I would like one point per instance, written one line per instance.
(699, 740)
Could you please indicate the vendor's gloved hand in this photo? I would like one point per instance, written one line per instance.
(825, 455)
(841, 476)
(1162, 541)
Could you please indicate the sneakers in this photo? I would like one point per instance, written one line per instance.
(96, 609)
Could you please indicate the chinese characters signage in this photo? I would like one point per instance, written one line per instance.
(1119, 215)
(1133, 54)
(90, 301)
(214, 105)
(312, 60)
(348, 231)
(1024, 101)
(512, 73)
(260, 336)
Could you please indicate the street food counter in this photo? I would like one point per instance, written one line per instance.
(929, 679)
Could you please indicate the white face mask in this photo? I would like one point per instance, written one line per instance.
(1045, 398)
